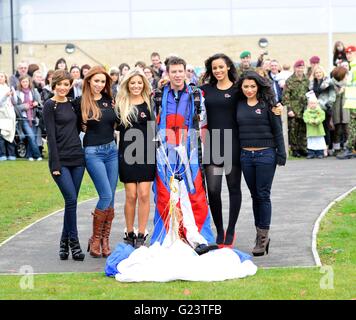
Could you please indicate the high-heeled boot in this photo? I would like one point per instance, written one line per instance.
(99, 217)
(105, 247)
(63, 249)
(77, 253)
(262, 242)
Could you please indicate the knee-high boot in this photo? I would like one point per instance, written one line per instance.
(105, 247)
(99, 217)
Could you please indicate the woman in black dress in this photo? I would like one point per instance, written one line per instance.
(222, 153)
(136, 151)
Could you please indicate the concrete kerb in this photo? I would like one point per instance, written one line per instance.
(45, 217)
(317, 225)
(314, 233)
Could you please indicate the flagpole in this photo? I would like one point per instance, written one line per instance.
(330, 36)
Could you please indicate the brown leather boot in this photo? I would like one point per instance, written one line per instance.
(105, 248)
(99, 217)
(262, 242)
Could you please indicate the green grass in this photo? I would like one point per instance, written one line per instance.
(336, 245)
(289, 283)
(28, 192)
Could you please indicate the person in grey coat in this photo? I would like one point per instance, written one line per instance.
(341, 116)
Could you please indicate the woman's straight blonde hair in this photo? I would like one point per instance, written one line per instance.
(89, 108)
(127, 111)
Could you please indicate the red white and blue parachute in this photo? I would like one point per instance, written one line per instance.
(178, 156)
(182, 218)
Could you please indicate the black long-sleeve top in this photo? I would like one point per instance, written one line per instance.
(62, 125)
(221, 114)
(101, 131)
(259, 127)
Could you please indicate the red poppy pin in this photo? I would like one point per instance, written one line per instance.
(258, 111)
(143, 115)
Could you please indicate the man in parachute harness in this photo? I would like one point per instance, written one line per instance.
(182, 210)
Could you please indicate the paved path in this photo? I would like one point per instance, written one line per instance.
(301, 191)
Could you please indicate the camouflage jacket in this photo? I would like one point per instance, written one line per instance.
(294, 97)
(240, 71)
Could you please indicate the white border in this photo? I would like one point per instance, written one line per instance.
(317, 225)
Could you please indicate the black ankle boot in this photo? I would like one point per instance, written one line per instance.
(140, 240)
(77, 253)
(63, 249)
(130, 238)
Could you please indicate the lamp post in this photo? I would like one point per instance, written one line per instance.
(12, 37)
(330, 35)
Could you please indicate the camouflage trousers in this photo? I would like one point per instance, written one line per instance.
(351, 141)
(297, 134)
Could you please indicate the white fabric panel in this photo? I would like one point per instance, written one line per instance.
(180, 262)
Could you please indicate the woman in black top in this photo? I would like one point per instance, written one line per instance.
(137, 151)
(101, 157)
(221, 149)
(262, 148)
(66, 158)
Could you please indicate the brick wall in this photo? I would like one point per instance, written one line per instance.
(195, 50)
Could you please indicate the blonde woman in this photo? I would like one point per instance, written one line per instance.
(136, 151)
(101, 158)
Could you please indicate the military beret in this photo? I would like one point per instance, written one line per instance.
(299, 63)
(314, 59)
(245, 54)
(350, 49)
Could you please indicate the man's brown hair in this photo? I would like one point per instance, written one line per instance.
(175, 61)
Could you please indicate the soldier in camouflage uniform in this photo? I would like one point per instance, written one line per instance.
(295, 100)
(350, 151)
(245, 64)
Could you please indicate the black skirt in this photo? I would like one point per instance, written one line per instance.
(133, 173)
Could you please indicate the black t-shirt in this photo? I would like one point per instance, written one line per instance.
(62, 125)
(221, 115)
(102, 131)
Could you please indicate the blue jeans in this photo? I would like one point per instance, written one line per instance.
(31, 134)
(7, 149)
(69, 184)
(315, 153)
(103, 167)
(258, 168)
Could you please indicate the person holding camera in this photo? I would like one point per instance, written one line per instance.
(262, 148)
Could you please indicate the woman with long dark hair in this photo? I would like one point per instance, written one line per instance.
(339, 54)
(262, 148)
(101, 156)
(221, 151)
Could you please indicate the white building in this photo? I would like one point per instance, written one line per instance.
(50, 20)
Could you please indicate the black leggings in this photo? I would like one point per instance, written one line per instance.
(214, 182)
